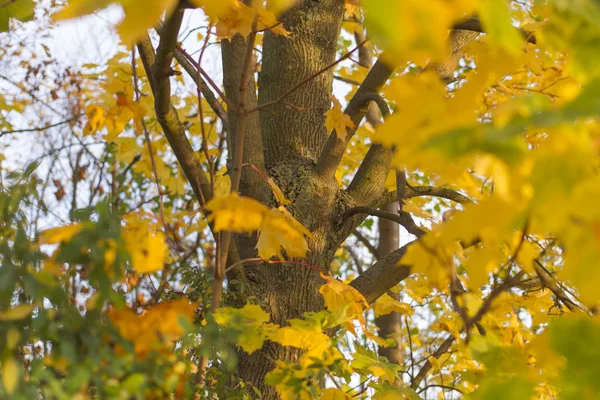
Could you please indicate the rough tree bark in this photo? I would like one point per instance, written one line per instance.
(293, 133)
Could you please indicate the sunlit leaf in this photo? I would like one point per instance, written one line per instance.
(10, 375)
(17, 313)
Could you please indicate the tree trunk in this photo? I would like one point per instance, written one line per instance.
(293, 133)
(390, 325)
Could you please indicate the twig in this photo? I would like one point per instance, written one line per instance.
(367, 244)
(403, 218)
(42, 128)
(236, 174)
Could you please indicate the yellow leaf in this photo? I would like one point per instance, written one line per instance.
(281, 200)
(222, 184)
(251, 323)
(117, 119)
(62, 234)
(96, 119)
(127, 149)
(236, 213)
(390, 181)
(146, 248)
(136, 23)
(414, 30)
(280, 229)
(279, 6)
(155, 329)
(342, 298)
(233, 16)
(303, 333)
(337, 120)
(496, 22)
(334, 394)
(435, 363)
(12, 338)
(10, 375)
(78, 8)
(480, 263)
(17, 313)
(266, 20)
(387, 304)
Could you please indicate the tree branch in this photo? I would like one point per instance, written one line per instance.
(361, 238)
(334, 148)
(158, 68)
(382, 276)
(474, 24)
(190, 67)
(418, 191)
(444, 347)
(238, 157)
(403, 218)
(42, 128)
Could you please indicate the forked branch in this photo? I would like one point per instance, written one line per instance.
(158, 69)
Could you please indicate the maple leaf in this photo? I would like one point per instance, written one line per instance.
(278, 228)
(386, 304)
(96, 119)
(156, 328)
(147, 248)
(236, 213)
(134, 25)
(337, 120)
(17, 313)
(234, 17)
(61, 234)
(341, 298)
(222, 184)
(281, 230)
(250, 321)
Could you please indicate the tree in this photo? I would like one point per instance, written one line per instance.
(209, 240)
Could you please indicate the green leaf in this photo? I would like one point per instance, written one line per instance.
(19, 9)
(578, 341)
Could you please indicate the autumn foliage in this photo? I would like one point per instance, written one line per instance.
(177, 229)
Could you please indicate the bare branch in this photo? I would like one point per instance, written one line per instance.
(382, 276)
(474, 24)
(158, 68)
(42, 128)
(418, 191)
(238, 157)
(403, 218)
(334, 148)
(361, 238)
(190, 67)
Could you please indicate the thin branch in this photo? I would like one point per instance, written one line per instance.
(334, 148)
(42, 128)
(474, 24)
(236, 174)
(159, 74)
(361, 238)
(206, 76)
(190, 66)
(404, 219)
(418, 191)
(443, 349)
